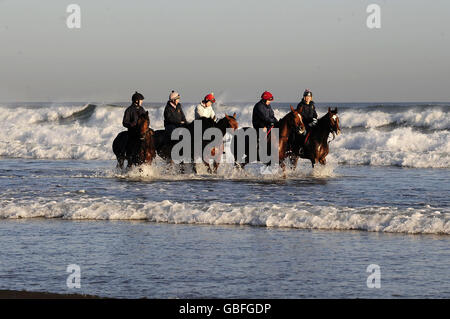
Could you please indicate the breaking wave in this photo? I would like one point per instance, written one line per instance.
(300, 215)
(389, 135)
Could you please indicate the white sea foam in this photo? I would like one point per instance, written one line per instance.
(39, 133)
(436, 119)
(301, 215)
(254, 171)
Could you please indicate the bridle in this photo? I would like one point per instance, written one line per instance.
(331, 128)
(298, 127)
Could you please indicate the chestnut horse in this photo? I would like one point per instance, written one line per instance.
(290, 123)
(145, 150)
(315, 145)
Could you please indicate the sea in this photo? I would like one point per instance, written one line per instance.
(372, 223)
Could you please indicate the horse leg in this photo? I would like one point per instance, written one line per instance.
(283, 165)
(215, 167)
(323, 160)
(129, 162)
(120, 161)
(294, 160)
(208, 167)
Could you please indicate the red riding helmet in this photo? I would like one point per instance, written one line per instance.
(267, 96)
(210, 97)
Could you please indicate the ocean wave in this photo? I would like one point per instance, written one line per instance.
(86, 132)
(300, 215)
(82, 115)
(436, 119)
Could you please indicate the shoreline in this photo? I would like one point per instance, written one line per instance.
(23, 294)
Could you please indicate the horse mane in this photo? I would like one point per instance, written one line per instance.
(283, 120)
(322, 120)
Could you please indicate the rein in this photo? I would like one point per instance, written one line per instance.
(145, 134)
(268, 132)
(307, 137)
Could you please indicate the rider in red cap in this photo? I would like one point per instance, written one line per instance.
(204, 109)
(263, 116)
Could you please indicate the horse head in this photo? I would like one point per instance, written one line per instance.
(229, 121)
(143, 123)
(334, 121)
(298, 120)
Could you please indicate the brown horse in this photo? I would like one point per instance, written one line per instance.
(286, 126)
(164, 148)
(227, 122)
(145, 149)
(315, 145)
(290, 123)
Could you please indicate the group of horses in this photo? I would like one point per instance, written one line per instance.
(292, 142)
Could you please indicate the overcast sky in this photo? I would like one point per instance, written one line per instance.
(235, 48)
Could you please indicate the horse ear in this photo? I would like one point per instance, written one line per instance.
(146, 112)
(300, 110)
(335, 110)
(329, 110)
(292, 109)
(234, 115)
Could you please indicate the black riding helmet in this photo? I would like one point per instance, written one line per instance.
(136, 97)
(307, 93)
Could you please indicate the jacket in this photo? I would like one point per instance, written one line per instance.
(202, 111)
(173, 116)
(309, 111)
(130, 117)
(263, 115)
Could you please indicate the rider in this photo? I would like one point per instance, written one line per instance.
(309, 114)
(263, 116)
(173, 114)
(309, 117)
(130, 119)
(204, 109)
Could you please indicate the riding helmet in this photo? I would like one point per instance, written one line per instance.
(267, 96)
(136, 97)
(174, 95)
(210, 97)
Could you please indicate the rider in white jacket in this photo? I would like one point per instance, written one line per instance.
(204, 109)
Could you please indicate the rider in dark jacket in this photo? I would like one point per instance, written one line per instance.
(263, 116)
(130, 119)
(309, 114)
(173, 114)
(309, 117)
(133, 112)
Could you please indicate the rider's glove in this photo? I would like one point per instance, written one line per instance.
(313, 123)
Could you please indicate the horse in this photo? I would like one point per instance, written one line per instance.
(315, 145)
(164, 148)
(290, 123)
(145, 150)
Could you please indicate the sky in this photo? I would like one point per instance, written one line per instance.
(236, 49)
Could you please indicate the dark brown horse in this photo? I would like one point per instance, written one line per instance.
(314, 146)
(164, 147)
(145, 147)
(290, 123)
